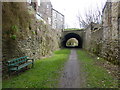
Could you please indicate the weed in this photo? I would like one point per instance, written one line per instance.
(13, 37)
(14, 28)
(33, 32)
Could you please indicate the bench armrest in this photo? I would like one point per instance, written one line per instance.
(30, 59)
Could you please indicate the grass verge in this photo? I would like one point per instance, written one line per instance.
(96, 76)
(45, 74)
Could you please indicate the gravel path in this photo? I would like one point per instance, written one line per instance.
(71, 76)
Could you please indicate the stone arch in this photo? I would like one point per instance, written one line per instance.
(72, 35)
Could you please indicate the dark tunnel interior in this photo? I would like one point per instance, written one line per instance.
(69, 36)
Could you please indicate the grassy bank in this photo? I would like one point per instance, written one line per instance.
(96, 76)
(45, 73)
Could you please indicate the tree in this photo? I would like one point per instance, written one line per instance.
(89, 17)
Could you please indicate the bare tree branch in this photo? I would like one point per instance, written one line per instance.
(89, 17)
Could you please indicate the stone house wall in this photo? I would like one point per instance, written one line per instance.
(110, 31)
(103, 40)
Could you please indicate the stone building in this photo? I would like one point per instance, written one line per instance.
(57, 20)
(34, 4)
(45, 11)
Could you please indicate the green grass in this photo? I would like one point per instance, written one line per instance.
(45, 74)
(96, 76)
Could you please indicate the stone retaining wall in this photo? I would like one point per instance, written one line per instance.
(24, 35)
(103, 40)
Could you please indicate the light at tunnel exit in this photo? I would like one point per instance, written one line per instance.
(72, 42)
(76, 38)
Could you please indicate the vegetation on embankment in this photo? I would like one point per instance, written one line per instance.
(97, 76)
(73, 29)
(45, 74)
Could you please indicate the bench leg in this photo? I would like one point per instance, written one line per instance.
(9, 72)
(32, 65)
(17, 72)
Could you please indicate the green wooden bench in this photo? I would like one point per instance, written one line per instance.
(19, 63)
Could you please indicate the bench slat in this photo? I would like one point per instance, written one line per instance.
(21, 66)
(12, 64)
(13, 60)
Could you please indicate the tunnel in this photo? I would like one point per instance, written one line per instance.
(69, 36)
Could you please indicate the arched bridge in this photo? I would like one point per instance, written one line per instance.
(67, 34)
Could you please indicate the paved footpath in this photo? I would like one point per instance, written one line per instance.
(71, 75)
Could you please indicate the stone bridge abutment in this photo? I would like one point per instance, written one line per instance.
(68, 34)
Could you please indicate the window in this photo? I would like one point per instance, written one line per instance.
(29, 1)
(39, 2)
(47, 6)
(49, 20)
